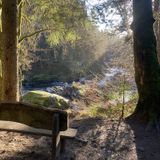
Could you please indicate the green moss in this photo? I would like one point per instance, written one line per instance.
(80, 88)
(45, 99)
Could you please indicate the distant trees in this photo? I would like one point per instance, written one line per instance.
(116, 14)
(69, 61)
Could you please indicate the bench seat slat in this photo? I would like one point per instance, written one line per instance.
(22, 128)
(69, 133)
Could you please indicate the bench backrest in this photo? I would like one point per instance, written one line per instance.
(33, 115)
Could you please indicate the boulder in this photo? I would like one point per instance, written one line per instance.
(46, 99)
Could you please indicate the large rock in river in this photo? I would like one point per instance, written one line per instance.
(46, 99)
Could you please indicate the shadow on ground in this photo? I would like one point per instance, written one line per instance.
(147, 141)
(101, 139)
(97, 139)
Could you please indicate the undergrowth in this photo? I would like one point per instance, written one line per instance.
(108, 103)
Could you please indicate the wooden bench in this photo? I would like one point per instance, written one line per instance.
(26, 118)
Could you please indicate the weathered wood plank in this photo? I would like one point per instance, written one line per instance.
(22, 128)
(55, 138)
(32, 115)
(69, 133)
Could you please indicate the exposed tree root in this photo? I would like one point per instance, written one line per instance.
(151, 122)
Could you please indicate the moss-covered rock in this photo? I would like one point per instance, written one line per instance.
(46, 99)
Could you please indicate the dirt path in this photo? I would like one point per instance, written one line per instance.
(97, 139)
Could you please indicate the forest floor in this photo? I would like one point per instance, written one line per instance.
(101, 134)
(97, 139)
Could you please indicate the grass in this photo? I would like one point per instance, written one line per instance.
(102, 106)
(108, 102)
(112, 112)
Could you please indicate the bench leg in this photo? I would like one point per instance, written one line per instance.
(62, 149)
(55, 138)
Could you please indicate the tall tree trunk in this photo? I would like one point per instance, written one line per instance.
(0, 52)
(0, 66)
(10, 89)
(157, 25)
(147, 70)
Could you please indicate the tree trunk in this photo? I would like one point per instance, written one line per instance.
(157, 26)
(147, 70)
(10, 89)
(0, 66)
(0, 52)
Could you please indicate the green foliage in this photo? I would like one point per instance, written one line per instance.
(111, 112)
(112, 103)
(69, 62)
(81, 88)
(57, 19)
(112, 95)
(134, 97)
(56, 37)
(104, 11)
(60, 17)
(43, 78)
(97, 111)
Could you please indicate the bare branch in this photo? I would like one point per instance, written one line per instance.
(32, 34)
